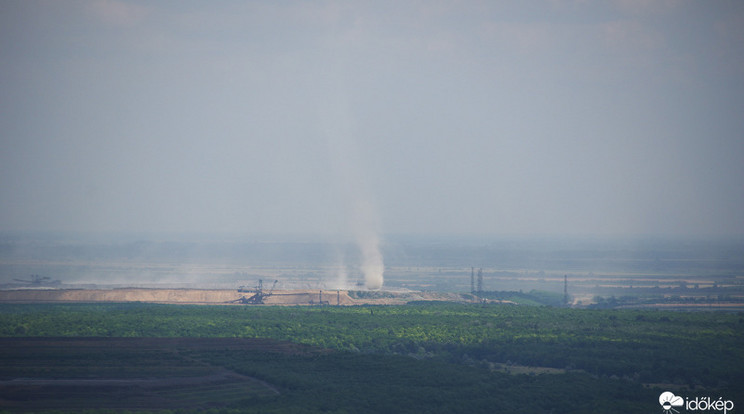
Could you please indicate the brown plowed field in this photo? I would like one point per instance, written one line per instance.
(129, 373)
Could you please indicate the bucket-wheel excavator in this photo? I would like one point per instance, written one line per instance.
(258, 294)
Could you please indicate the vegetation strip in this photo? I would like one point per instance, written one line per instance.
(356, 356)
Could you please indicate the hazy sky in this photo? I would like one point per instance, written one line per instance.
(493, 117)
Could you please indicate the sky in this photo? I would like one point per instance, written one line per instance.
(365, 118)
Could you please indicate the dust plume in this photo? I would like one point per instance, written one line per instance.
(372, 264)
(342, 278)
(364, 224)
(359, 212)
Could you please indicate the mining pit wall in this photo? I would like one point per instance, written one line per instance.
(183, 296)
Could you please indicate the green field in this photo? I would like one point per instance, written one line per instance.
(424, 357)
